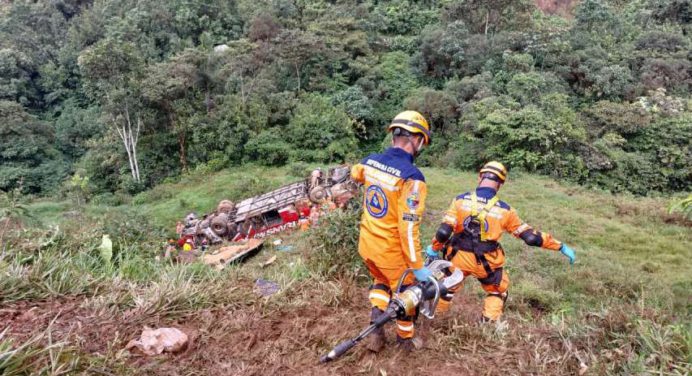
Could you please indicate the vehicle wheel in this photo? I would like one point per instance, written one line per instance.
(318, 194)
(219, 224)
(225, 206)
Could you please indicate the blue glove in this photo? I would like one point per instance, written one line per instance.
(569, 252)
(430, 252)
(422, 274)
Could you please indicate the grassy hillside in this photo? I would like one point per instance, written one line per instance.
(623, 308)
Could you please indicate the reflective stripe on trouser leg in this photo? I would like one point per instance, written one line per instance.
(494, 302)
(404, 328)
(386, 280)
(380, 292)
(379, 296)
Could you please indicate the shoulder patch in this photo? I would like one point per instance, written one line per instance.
(413, 200)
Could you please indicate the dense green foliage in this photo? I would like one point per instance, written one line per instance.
(131, 92)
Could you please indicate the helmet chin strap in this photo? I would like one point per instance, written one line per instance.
(420, 145)
(416, 149)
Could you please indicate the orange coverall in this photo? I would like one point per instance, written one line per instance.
(389, 241)
(487, 263)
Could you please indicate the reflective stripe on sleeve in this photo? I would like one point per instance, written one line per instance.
(521, 229)
(405, 328)
(376, 181)
(411, 247)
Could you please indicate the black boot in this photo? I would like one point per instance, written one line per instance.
(376, 339)
(405, 344)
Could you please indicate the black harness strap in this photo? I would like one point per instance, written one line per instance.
(493, 278)
(466, 242)
(480, 256)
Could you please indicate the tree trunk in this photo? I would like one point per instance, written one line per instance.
(125, 139)
(180, 132)
(130, 138)
(487, 19)
(207, 99)
(135, 141)
(181, 151)
(298, 76)
(242, 89)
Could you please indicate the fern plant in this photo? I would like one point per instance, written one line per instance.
(684, 207)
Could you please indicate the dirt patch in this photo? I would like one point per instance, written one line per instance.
(265, 338)
(653, 211)
(66, 319)
(26, 319)
(290, 340)
(564, 8)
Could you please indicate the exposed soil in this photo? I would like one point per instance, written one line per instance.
(564, 8)
(260, 339)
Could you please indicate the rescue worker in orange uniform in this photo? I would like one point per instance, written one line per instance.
(470, 233)
(394, 203)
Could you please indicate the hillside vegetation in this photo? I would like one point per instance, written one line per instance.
(122, 94)
(623, 308)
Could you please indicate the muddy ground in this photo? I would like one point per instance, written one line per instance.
(266, 338)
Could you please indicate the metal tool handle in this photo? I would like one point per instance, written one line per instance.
(429, 306)
(344, 346)
(402, 279)
(339, 350)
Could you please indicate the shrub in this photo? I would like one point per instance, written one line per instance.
(268, 148)
(534, 138)
(111, 199)
(320, 132)
(683, 206)
(333, 245)
(299, 169)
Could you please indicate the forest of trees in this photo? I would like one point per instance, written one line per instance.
(128, 93)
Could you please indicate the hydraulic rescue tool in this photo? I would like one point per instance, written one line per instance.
(421, 297)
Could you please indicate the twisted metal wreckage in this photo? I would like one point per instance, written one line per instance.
(272, 212)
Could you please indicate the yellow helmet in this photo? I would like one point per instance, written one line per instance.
(413, 122)
(496, 168)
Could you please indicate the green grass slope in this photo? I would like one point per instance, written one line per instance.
(623, 308)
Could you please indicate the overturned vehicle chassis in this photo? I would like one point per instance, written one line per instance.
(271, 212)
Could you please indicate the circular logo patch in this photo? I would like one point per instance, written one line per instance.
(376, 201)
(413, 200)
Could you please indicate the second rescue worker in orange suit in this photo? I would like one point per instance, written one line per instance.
(475, 248)
(394, 203)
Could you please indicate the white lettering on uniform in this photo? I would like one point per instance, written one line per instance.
(384, 167)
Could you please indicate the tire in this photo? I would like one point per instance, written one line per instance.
(225, 206)
(318, 194)
(219, 224)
